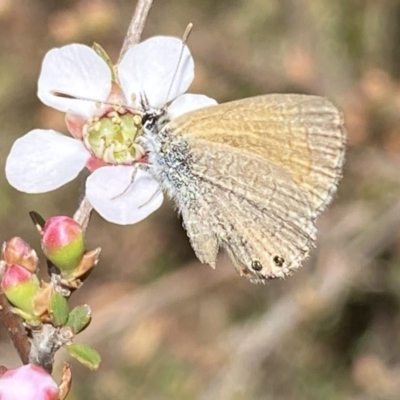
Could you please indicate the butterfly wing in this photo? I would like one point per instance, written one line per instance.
(303, 135)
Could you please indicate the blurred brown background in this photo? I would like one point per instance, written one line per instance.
(170, 328)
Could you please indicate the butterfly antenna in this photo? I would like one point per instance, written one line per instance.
(97, 102)
(185, 38)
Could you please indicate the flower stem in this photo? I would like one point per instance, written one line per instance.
(82, 214)
(136, 26)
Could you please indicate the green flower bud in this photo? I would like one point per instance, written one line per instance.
(20, 287)
(63, 243)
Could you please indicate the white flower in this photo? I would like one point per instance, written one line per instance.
(104, 136)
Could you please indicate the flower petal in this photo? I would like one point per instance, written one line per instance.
(78, 71)
(44, 160)
(151, 67)
(117, 199)
(189, 102)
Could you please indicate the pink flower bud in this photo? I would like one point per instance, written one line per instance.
(17, 251)
(20, 287)
(29, 382)
(63, 243)
(15, 275)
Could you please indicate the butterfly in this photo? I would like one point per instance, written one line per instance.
(250, 176)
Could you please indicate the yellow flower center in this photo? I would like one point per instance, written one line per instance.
(113, 137)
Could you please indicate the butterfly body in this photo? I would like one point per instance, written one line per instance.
(250, 176)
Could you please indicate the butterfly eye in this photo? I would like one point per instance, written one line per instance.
(148, 120)
(154, 117)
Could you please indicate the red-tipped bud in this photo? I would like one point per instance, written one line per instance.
(17, 251)
(20, 287)
(63, 243)
(15, 275)
(29, 382)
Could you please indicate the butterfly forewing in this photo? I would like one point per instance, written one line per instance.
(304, 135)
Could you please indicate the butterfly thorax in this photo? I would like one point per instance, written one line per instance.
(169, 157)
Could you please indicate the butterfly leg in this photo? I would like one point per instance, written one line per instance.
(151, 198)
(133, 176)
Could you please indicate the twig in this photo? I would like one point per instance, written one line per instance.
(82, 214)
(136, 26)
(15, 329)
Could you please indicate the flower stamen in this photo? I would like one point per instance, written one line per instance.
(112, 137)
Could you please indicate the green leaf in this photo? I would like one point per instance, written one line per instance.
(103, 54)
(85, 355)
(59, 309)
(79, 318)
(38, 220)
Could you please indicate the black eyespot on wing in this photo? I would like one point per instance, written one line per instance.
(256, 265)
(279, 261)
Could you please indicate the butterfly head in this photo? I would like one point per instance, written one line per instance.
(153, 118)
